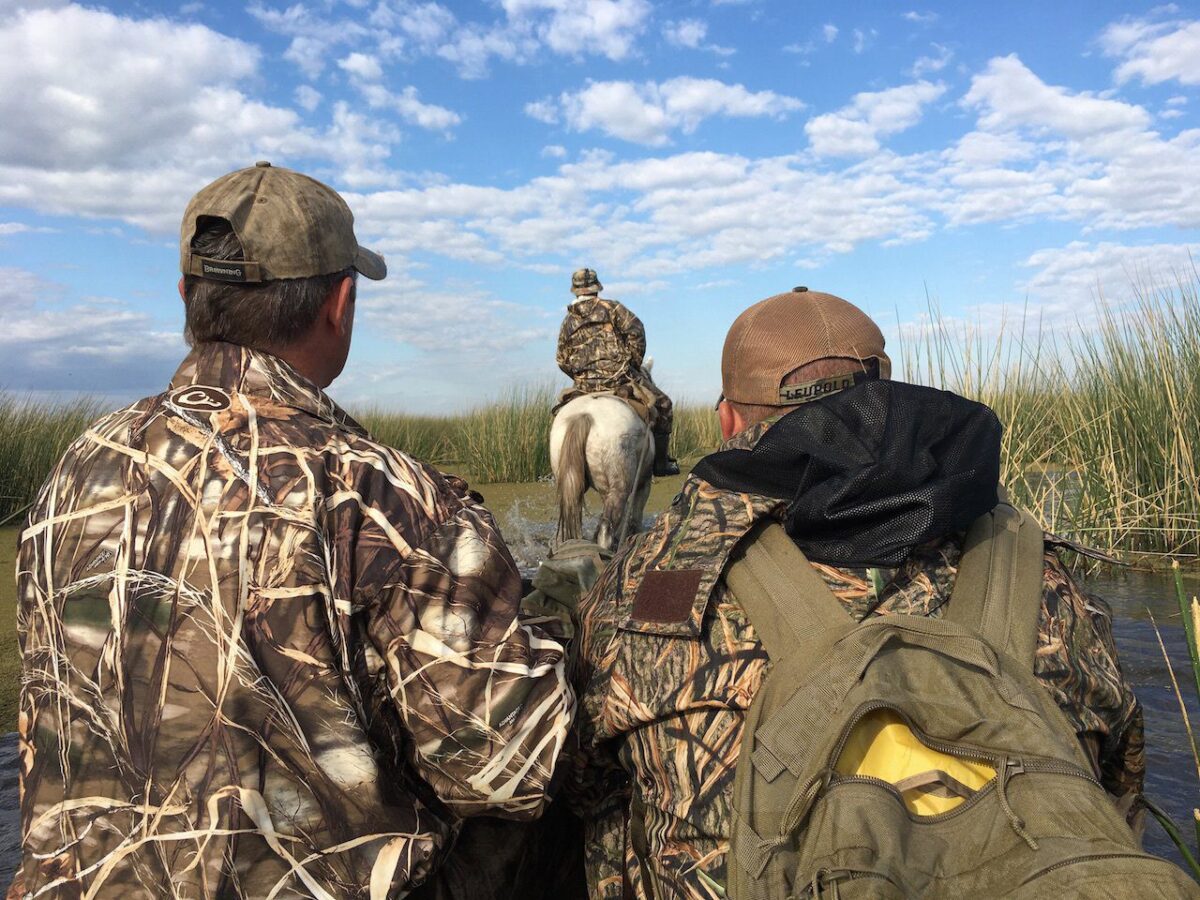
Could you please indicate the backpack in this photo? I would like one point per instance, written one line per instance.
(906, 756)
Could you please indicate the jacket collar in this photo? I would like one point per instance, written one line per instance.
(256, 374)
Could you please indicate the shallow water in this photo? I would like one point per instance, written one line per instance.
(525, 514)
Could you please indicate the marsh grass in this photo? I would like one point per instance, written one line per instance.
(1101, 439)
(33, 435)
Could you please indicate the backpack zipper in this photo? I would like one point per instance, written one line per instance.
(1062, 864)
(1004, 765)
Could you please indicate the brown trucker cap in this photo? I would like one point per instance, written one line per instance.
(290, 226)
(776, 336)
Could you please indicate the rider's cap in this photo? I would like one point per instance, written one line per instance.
(584, 281)
(778, 335)
(290, 226)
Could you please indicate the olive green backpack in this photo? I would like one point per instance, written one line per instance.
(951, 707)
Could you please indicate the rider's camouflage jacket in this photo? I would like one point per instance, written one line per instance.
(601, 344)
(662, 706)
(264, 655)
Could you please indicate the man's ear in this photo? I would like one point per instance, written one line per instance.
(337, 306)
(731, 419)
(182, 295)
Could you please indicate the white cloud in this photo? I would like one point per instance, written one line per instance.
(407, 104)
(855, 130)
(829, 32)
(9, 228)
(1154, 52)
(864, 38)
(362, 65)
(50, 344)
(690, 33)
(583, 27)
(308, 97)
(1082, 270)
(647, 113)
(926, 65)
(925, 18)
(72, 145)
(554, 151)
(545, 110)
(1009, 95)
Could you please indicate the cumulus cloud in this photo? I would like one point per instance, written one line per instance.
(51, 344)
(647, 113)
(1154, 52)
(362, 65)
(1009, 95)
(855, 130)
(691, 34)
(308, 97)
(935, 62)
(554, 151)
(829, 32)
(1083, 270)
(168, 115)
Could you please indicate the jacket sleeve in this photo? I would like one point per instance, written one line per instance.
(631, 331)
(482, 695)
(563, 356)
(1077, 662)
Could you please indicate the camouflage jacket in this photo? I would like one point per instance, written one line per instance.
(662, 705)
(601, 344)
(265, 655)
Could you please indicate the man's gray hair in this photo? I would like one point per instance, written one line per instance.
(266, 316)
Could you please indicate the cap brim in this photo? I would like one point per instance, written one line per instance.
(370, 264)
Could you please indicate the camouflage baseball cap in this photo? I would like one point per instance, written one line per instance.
(778, 335)
(584, 281)
(290, 226)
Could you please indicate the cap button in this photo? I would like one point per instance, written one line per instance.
(263, 164)
(799, 289)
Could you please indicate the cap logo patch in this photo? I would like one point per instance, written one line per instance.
(795, 394)
(200, 399)
(222, 271)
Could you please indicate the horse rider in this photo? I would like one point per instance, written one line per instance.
(257, 659)
(601, 347)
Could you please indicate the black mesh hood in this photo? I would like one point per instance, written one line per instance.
(871, 472)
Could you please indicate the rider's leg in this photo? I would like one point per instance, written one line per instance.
(664, 415)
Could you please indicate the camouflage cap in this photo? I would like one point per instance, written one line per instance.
(585, 281)
(290, 226)
(778, 335)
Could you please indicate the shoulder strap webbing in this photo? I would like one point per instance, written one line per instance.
(998, 589)
(792, 609)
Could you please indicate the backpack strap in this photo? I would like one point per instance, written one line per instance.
(998, 589)
(792, 609)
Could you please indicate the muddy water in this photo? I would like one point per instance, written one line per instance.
(526, 515)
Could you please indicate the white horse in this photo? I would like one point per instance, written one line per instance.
(598, 441)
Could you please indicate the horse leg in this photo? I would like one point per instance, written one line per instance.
(613, 526)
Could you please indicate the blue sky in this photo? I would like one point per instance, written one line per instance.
(700, 155)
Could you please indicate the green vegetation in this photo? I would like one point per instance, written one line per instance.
(1102, 424)
(32, 438)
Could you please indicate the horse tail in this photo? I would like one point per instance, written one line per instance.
(572, 478)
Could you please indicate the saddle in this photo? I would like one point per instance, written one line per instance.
(644, 411)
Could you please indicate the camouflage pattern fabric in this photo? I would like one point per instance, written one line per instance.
(264, 655)
(601, 347)
(663, 703)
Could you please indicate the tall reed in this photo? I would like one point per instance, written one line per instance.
(33, 435)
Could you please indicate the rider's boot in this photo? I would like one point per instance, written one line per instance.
(663, 464)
